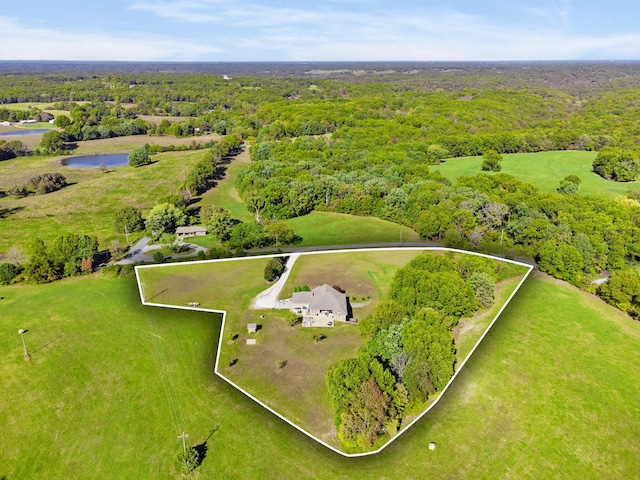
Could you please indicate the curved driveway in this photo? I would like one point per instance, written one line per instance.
(269, 298)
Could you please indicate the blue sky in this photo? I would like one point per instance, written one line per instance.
(323, 30)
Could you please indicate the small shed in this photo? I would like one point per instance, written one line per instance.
(252, 327)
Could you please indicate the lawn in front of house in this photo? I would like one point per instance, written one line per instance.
(285, 368)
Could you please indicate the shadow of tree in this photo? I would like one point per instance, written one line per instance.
(201, 449)
(5, 212)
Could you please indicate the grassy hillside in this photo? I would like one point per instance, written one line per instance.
(87, 204)
(544, 169)
(551, 393)
(327, 228)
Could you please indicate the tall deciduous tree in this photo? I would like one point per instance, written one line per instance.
(368, 414)
(491, 161)
(165, 217)
(218, 221)
(52, 142)
(128, 219)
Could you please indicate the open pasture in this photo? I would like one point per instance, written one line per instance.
(328, 228)
(544, 170)
(551, 392)
(285, 369)
(87, 205)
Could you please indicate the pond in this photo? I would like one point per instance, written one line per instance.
(90, 161)
(16, 133)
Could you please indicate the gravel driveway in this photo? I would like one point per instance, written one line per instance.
(269, 297)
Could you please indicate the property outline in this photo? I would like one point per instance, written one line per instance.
(279, 415)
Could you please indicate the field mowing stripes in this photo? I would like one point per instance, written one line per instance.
(167, 378)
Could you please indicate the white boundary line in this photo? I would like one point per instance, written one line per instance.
(324, 252)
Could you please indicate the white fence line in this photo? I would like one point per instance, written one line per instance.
(282, 417)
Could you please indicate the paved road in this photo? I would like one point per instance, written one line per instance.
(142, 252)
(425, 243)
(136, 253)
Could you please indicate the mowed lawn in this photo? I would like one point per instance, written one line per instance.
(328, 228)
(552, 392)
(296, 389)
(225, 193)
(543, 169)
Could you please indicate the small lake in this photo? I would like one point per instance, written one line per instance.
(88, 161)
(16, 133)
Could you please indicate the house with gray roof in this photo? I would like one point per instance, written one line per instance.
(320, 307)
(192, 231)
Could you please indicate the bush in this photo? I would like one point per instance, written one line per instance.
(139, 157)
(158, 256)
(491, 161)
(317, 336)
(45, 183)
(275, 268)
(187, 460)
(8, 271)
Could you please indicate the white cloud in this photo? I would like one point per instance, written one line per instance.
(422, 35)
(329, 30)
(18, 42)
(191, 12)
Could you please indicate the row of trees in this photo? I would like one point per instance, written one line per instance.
(66, 256)
(204, 172)
(409, 353)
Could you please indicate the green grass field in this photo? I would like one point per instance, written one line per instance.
(86, 206)
(327, 228)
(225, 193)
(298, 390)
(544, 169)
(551, 393)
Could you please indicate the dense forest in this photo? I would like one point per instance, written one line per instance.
(360, 140)
(409, 353)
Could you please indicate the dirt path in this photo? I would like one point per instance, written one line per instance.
(269, 297)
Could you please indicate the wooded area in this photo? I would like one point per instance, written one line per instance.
(409, 353)
(363, 145)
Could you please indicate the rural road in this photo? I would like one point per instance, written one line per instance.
(136, 253)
